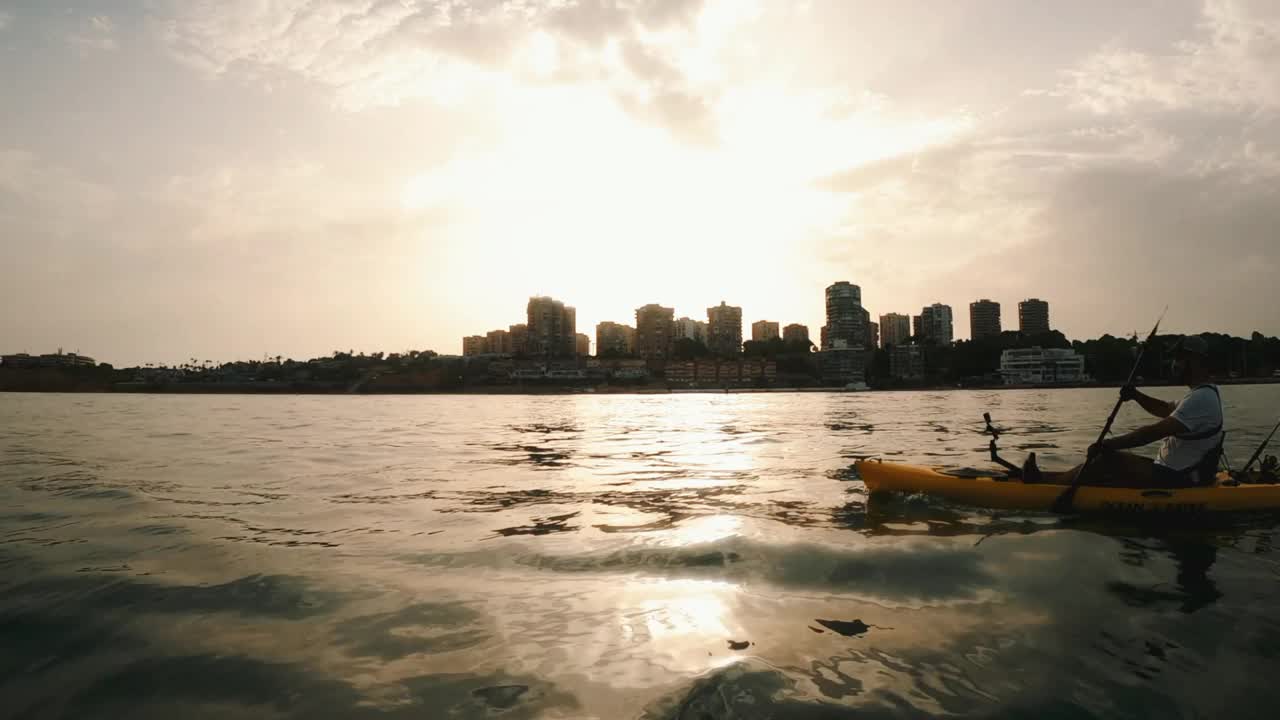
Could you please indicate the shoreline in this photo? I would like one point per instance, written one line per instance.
(289, 389)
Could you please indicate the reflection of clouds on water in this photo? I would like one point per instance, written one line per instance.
(189, 646)
(522, 557)
(423, 628)
(914, 573)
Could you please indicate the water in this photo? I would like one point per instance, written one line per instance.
(697, 556)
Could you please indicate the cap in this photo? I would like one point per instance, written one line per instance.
(1193, 344)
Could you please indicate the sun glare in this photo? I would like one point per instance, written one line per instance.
(577, 174)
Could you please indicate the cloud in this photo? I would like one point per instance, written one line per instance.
(55, 199)
(95, 33)
(1230, 65)
(1147, 176)
(387, 54)
(6, 20)
(1117, 244)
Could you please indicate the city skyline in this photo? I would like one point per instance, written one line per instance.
(238, 178)
(854, 325)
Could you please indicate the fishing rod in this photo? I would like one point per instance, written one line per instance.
(1258, 453)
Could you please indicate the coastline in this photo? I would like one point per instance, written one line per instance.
(322, 389)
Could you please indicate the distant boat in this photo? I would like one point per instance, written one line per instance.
(857, 386)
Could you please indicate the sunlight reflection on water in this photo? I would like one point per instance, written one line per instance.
(598, 557)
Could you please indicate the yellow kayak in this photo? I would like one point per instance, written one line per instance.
(1008, 494)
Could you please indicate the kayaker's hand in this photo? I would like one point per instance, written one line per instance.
(1097, 449)
(1128, 392)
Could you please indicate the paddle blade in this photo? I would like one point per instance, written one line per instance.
(1155, 328)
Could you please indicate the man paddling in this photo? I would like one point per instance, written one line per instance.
(1190, 432)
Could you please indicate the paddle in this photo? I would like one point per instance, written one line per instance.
(1258, 453)
(1063, 503)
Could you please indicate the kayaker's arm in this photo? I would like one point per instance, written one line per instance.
(1155, 406)
(1145, 435)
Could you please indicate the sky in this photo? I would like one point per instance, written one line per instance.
(227, 179)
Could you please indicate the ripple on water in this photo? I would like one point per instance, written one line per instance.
(597, 557)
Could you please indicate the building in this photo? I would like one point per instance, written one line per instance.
(895, 329)
(1033, 316)
(984, 319)
(582, 343)
(846, 319)
(841, 366)
(615, 339)
(654, 330)
(906, 361)
(58, 359)
(707, 372)
(873, 335)
(552, 328)
(680, 373)
(19, 360)
(795, 333)
(764, 330)
(621, 368)
(519, 339)
(499, 342)
(474, 345)
(724, 329)
(934, 326)
(688, 328)
(1037, 366)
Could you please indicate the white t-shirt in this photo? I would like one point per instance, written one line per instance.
(1200, 411)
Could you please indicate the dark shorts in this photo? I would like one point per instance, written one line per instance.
(1162, 476)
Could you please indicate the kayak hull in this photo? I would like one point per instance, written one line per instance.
(1006, 494)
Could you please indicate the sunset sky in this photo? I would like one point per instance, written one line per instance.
(222, 178)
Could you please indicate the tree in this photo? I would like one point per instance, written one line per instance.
(764, 348)
(688, 349)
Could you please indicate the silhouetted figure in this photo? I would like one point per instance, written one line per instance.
(1190, 431)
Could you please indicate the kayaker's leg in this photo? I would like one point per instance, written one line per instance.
(1122, 469)
(1113, 469)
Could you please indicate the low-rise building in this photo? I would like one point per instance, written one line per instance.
(58, 359)
(623, 368)
(906, 362)
(582, 344)
(1041, 366)
(681, 372)
(728, 373)
(19, 360)
(707, 372)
